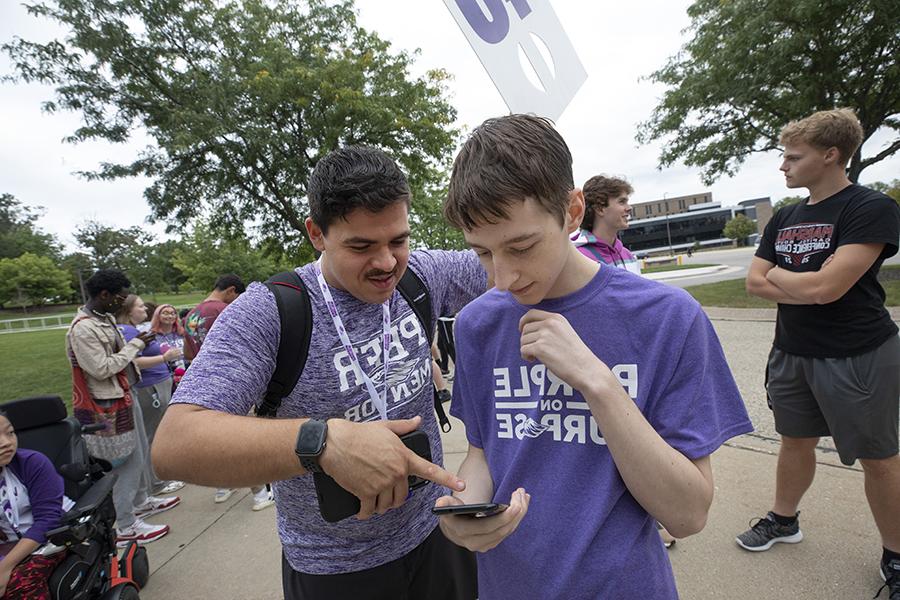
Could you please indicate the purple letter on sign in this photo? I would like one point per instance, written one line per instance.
(494, 30)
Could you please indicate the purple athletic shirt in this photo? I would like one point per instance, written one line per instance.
(585, 536)
(238, 359)
(149, 375)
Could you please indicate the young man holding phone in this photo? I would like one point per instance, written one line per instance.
(366, 382)
(592, 397)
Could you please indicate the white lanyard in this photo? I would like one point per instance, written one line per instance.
(380, 402)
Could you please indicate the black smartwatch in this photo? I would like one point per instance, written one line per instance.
(311, 444)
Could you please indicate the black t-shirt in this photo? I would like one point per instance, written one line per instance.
(800, 237)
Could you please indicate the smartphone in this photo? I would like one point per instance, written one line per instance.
(477, 511)
(336, 503)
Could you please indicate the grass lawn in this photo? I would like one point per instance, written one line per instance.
(663, 268)
(731, 294)
(34, 364)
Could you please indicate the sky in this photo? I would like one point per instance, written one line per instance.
(619, 44)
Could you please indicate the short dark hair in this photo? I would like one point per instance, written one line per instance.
(354, 177)
(598, 191)
(509, 158)
(111, 280)
(231, 280)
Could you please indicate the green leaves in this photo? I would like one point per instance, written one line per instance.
(241, 98)
(739, 228)
(30, 280)
(753, 65)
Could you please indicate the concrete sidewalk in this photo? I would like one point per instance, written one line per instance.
(226, 551)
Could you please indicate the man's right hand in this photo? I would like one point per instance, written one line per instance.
(147, 337)
(369, 461)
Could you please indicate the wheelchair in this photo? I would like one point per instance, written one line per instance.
(93, 569)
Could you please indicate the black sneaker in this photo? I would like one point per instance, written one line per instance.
(890, 572)
(444, 396)
(768, 532)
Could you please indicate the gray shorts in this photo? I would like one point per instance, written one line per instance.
(855, 400)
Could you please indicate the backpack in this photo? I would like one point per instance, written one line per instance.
(295, 315)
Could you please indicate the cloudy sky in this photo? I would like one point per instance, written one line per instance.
(619, 43)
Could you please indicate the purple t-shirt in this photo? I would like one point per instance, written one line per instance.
(149, 375)
(585, 536)
(238, 359)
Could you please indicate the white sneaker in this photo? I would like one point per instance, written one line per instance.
(263, 499)
(171, 487)
(155, 505)
(141, 532)
(222, 495)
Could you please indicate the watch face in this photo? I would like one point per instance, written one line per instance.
(312, 438)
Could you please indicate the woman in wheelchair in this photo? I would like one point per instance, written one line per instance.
(31, 499)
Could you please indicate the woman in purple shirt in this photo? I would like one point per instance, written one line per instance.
(31, 498)
(154, 390)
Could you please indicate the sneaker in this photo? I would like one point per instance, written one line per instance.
(155, 505)
(444, 395)
(171, 487)
(140, 532)
(667, 538)
(890, 572)
(222, 495)
(263, 499)
(767, 532)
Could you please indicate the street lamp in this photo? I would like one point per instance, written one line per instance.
(668, 233)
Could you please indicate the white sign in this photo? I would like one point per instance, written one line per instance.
(525, 50)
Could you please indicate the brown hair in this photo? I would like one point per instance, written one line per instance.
(598, 191)
(837, 128)
(124, 312)
(508, 159)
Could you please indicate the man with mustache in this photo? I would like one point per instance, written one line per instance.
(366, 381)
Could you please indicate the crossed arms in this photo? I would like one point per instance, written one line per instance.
(838, 274)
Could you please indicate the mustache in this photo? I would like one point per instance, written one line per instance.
(380, 273)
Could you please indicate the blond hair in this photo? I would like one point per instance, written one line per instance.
(838, 128)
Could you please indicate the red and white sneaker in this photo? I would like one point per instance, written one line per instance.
(141, 532)
(155, 505)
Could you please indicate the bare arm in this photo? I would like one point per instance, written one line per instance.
(216, 449)
(144, 362)
(674, 489)
(474, 471)
(677, 491)
(480, 535)
(833, 280)
(19, 552)
(758, 285)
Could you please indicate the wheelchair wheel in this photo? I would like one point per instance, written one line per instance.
(134, 564)
(125, 591)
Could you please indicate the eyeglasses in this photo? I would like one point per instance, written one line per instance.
(120, 297)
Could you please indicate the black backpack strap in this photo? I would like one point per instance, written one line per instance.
(416, 295)
(295, 316)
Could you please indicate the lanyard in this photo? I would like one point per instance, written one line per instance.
(380, 402)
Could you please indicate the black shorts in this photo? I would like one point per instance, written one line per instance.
(853, 399)
(437, 569)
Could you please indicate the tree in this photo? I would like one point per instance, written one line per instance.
(203, 257)
(754, 65)
(111, 248)
(786, 201)
(31, 280)
(18, 233)
(739, 228)
(428, 227)
(242, 98)
(892, 189)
